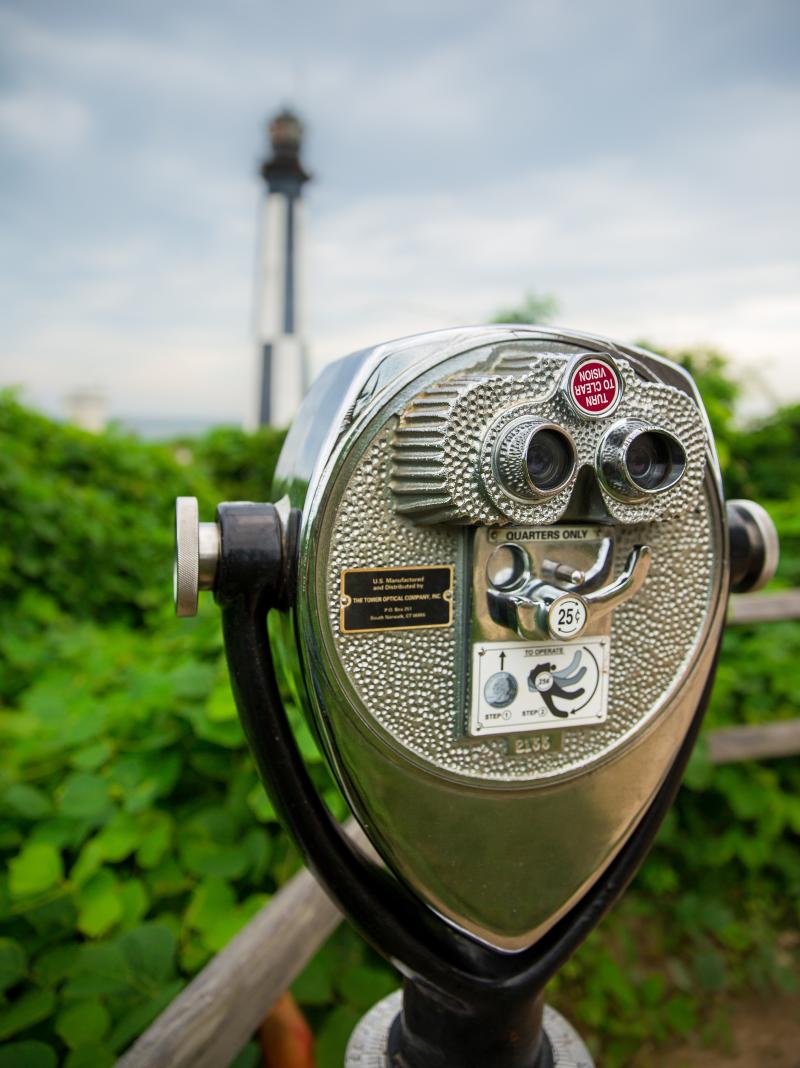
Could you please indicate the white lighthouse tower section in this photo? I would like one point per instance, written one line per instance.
(272, 278)
(282, 349)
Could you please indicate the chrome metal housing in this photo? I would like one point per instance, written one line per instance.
(388, 460)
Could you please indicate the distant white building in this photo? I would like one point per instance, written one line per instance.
(279, 310)
(88, 409)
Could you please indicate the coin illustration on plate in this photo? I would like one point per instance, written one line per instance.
(500, 689)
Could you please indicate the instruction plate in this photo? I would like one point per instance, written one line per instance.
(534, 686)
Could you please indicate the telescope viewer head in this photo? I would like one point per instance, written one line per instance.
(512, 569)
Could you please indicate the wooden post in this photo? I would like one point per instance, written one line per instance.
(210, 1021)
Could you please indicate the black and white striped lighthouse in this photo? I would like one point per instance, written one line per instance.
(284, 374)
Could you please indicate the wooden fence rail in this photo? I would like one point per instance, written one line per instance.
(215, 1016)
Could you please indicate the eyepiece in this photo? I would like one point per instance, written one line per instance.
(636, 460)
(534, 459)
(550, 459)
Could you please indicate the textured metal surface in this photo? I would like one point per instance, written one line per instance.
(444, 447)
(568, 1048)
(408, 682)
(369, 1041)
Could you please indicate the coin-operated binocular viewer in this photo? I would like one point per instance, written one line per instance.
(499, 563)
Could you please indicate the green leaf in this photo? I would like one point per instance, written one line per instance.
(99, 904)
(220, 706)
(141, 778)
(100, 969)
(700, 770)
(149, 951)
(218, 934)
(89, 863)
(52, 966)
(167, 879)
(94, 1056)
(314, 985)
(193, 679)
(13, 963)
(193, 954)
(134, 1022)
(155, 840)
(206, 857)
(61, 832)
(227, 733)
(709, 966)
(261, 805)
(257, 846)
(10, 836)
(83, 1023)
(27, 1055)
(306, 742)
(118, 838)
(36, 869)
(92, 756)
(26, 1011)
(212, 897)
(247, 1057)
(84, 796)
(680, 1014)
(135, 902)
(362, 987)
(51, 917)
(27, 802)
(333, 1037)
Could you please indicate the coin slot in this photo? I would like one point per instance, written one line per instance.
(507, 567)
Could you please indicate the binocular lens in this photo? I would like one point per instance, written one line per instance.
(636, 459)
(549, 459)
(654, 461)
(533, 459)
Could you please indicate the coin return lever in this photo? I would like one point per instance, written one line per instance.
(563, 610)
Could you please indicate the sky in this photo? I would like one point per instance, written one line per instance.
(638, 159)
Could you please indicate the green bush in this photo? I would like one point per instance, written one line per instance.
(136, 838)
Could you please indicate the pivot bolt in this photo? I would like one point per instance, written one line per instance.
(197, 548)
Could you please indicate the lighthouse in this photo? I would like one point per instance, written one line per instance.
(284, 374)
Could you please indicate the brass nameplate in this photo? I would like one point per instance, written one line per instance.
(394, 598)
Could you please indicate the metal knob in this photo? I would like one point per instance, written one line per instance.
(197, 547)
(755, 548)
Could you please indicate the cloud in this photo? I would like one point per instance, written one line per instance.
(44, 122)
(627, 255)
(122, 57)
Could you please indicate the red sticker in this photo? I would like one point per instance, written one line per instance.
(594, 387)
